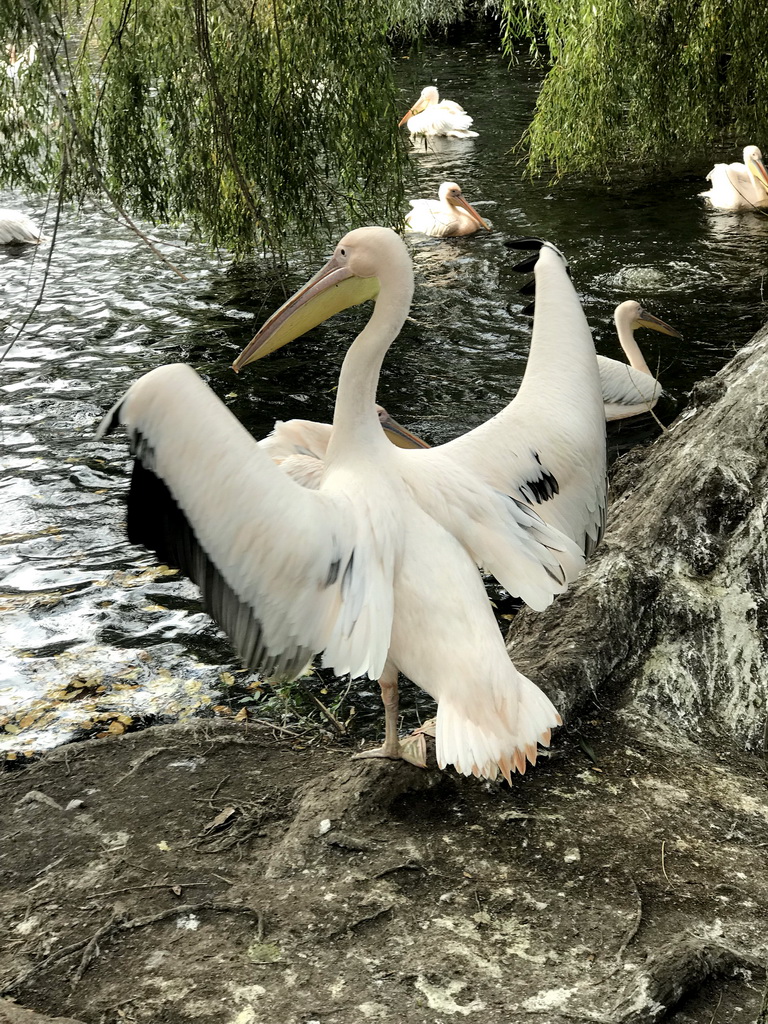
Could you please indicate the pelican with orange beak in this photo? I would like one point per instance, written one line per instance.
(450, 216)
(377, 568)
(739, 186)
(432, 116)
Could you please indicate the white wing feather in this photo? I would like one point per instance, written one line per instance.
(305, 563)
(547, 447)
(626, 390)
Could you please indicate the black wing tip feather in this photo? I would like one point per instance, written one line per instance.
(157, 522)
(110, 421)
(525, 243)
(528, 264)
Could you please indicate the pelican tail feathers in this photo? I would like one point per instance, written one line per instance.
(489, 737)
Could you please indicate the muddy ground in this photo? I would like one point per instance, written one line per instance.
(210, 872)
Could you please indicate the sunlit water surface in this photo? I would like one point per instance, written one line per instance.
(97, 638)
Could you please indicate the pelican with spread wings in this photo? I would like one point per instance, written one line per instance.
(376, 567)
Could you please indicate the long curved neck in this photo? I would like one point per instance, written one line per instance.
(630, 346)
(356, 427)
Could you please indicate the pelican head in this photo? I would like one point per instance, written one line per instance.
(429, 95)
(753, 161)
(363, 260)
(451, 193)
(398, 434)
(634, 316)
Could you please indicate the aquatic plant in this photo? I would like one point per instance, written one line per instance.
(249, 121)
(640, 81)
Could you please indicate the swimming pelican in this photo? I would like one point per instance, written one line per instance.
(451, 215)
(630, 389)
(17, 229)
(376, 568)
(739, 186)
(19, 64)
(432, 116)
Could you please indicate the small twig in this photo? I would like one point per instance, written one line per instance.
(408, 865)
(663, 868)
(273, 725)
(44, 871)
(151, 885)
(712, 1018)
(213, 794)
(234, 841)
(92, 948)
(338, 725)
(146, 756)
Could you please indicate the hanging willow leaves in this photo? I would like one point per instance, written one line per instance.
(248, 119)
(643, 82)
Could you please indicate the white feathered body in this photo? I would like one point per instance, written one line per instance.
(627, 391)
(18, 229)
(439, 219)
(739, 186)
(445, 118)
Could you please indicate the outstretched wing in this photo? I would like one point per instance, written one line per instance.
(285, 571)
(547, 447)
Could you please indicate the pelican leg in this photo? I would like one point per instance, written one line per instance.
(413, 748)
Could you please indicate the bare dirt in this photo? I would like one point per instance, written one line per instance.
(209, 872)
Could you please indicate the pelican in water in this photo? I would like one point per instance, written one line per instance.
(432, 116)
(630, 389)
(739, 186)
(377, 568)
(17, 229)
(451, 215)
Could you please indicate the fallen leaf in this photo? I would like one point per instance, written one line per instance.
(222, 819)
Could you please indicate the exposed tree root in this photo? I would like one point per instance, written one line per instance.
(678, 969)
(118, 923)
(356, 795)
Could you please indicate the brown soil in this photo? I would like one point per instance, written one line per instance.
(211, 873)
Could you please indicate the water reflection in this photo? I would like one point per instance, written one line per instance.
(78, 602)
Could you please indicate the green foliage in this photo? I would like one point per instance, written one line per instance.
(250, 120)
(643, 82)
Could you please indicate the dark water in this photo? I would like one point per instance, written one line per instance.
(91, 628)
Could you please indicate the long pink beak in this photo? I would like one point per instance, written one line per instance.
(461, 201)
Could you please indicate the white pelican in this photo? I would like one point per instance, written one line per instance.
(630, 389)
(739, 186)
(17, 229)
(431, 116)
(377, 567)
(451, 215)
(19, 64)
